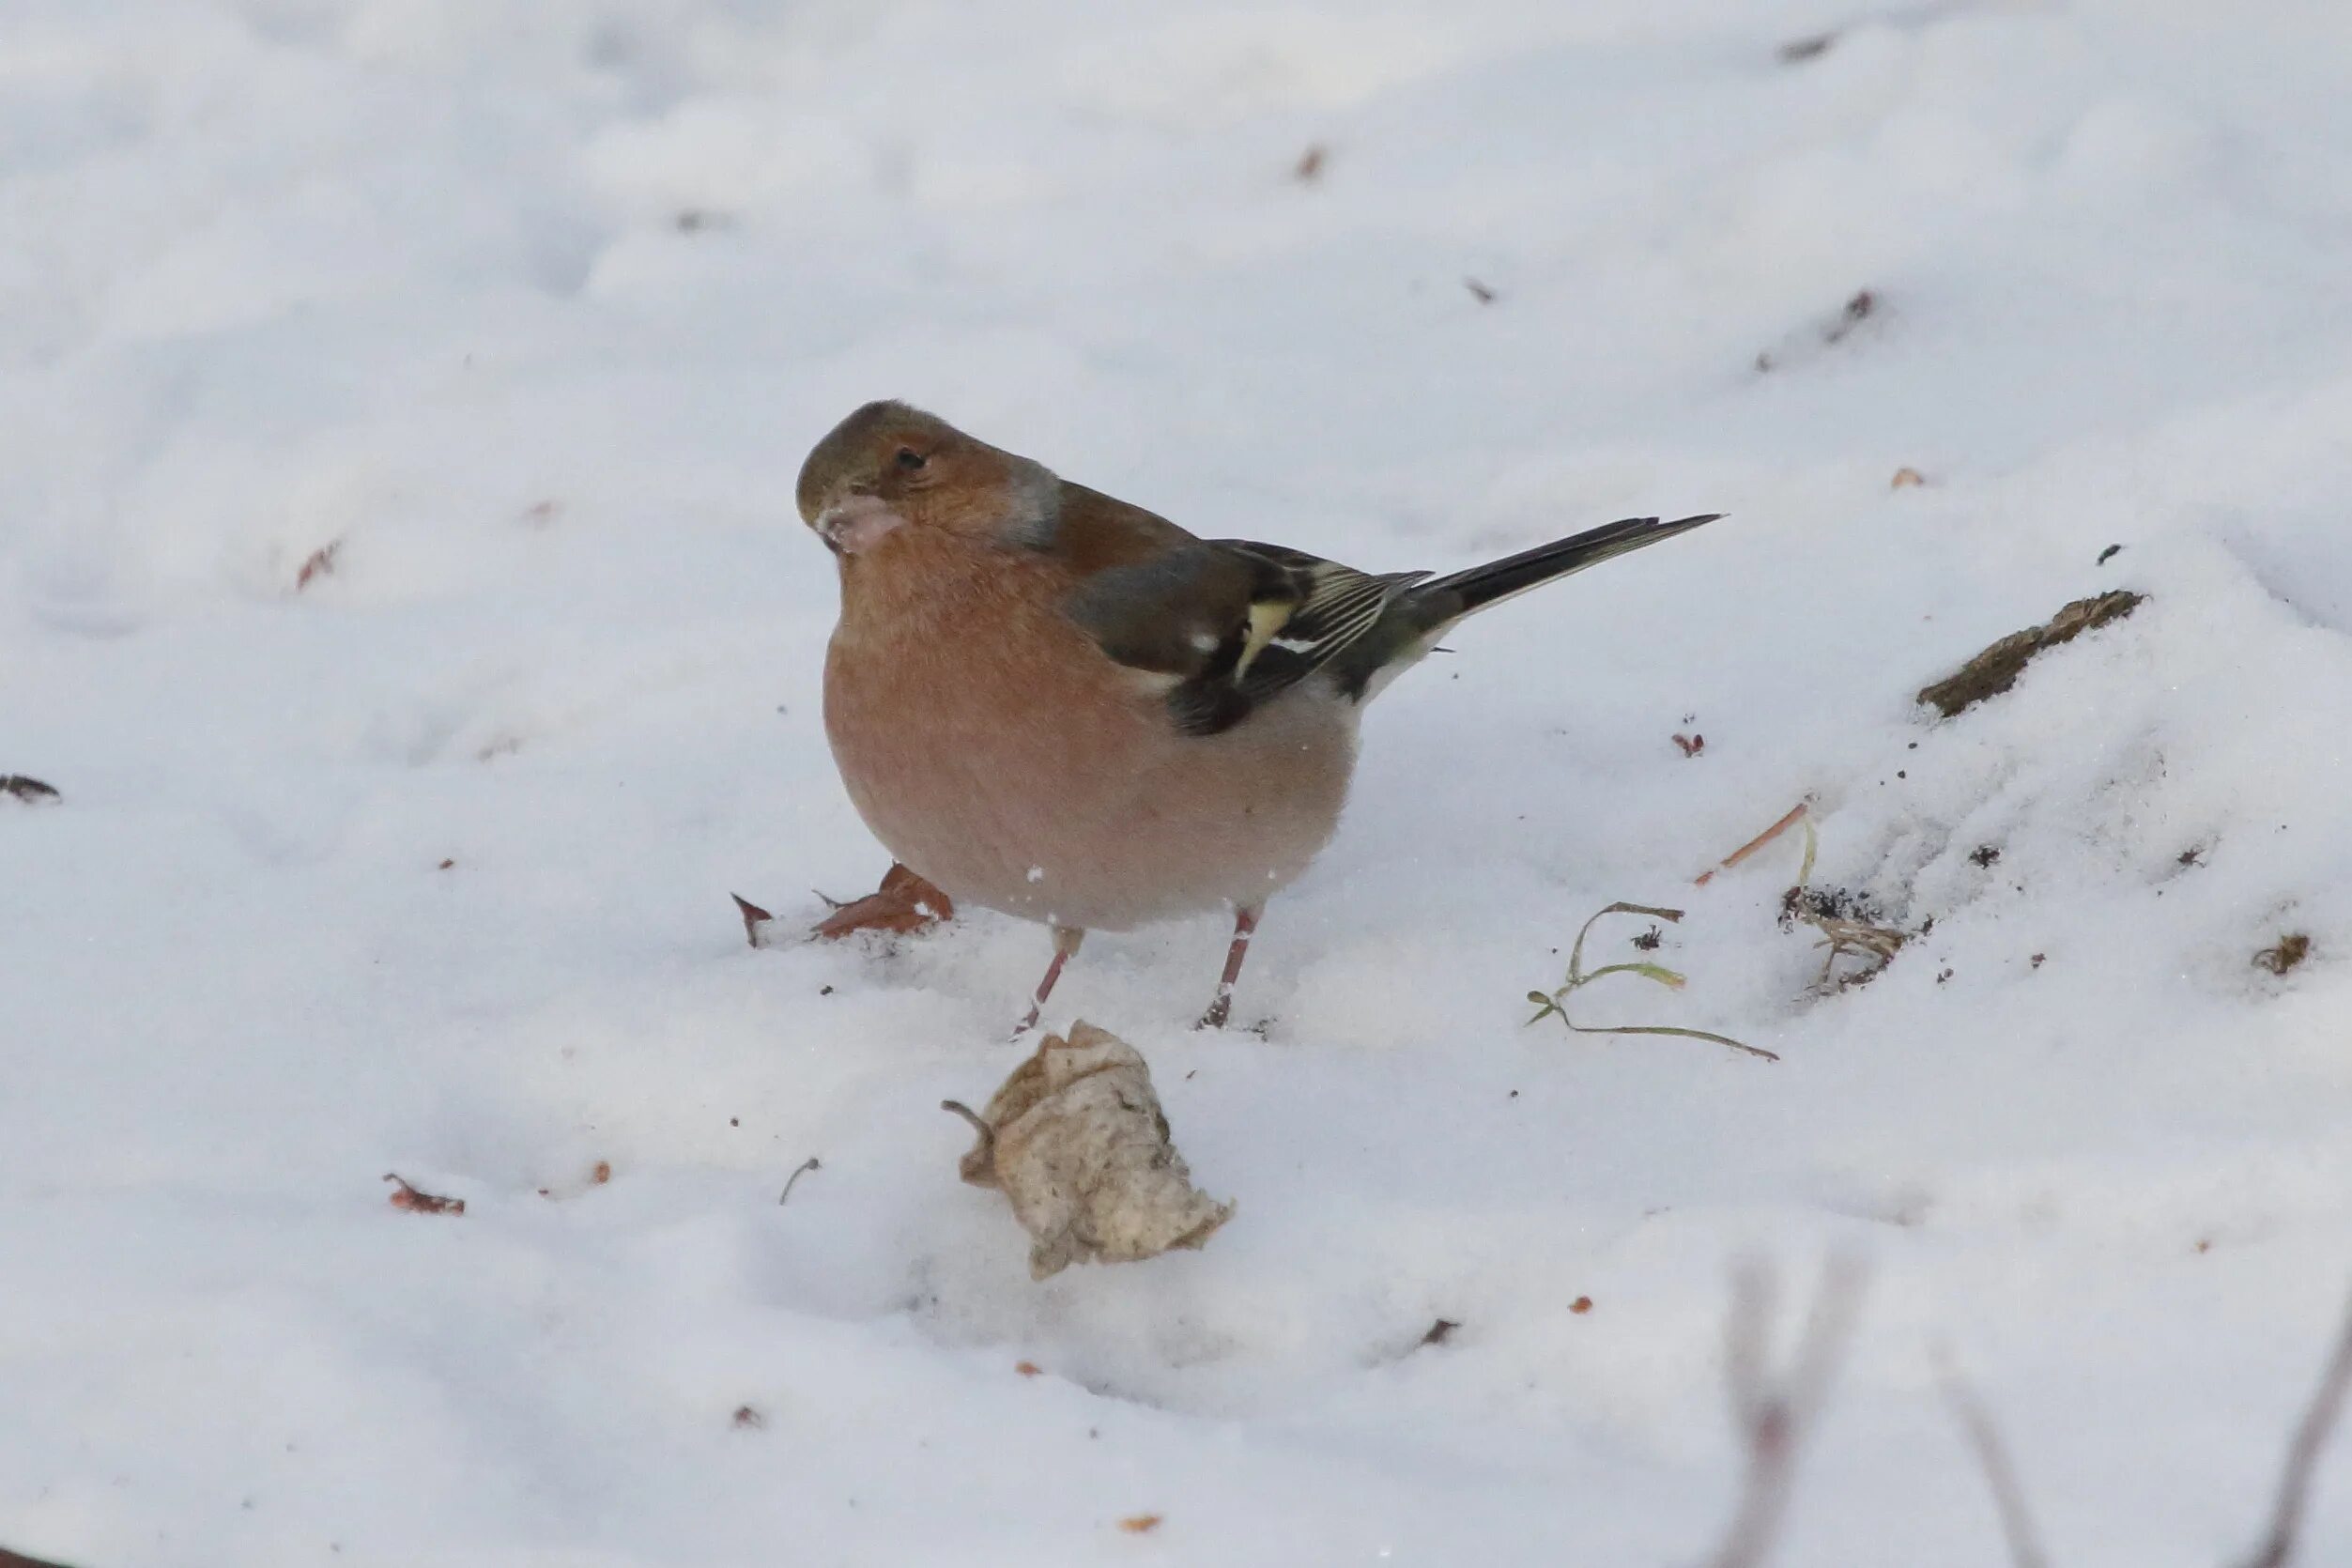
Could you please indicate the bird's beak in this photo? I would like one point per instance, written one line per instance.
(855, 523)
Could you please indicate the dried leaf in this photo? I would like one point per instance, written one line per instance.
(1907, 478)
(1076, 1141)
(1581, 1305)
(903, 903)
(1310, 165)
(1691, 744)
(408, 1198)
(31, 791)
(1140, 1524)
(748, 1419)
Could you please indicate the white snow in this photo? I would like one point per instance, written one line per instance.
(528, 312)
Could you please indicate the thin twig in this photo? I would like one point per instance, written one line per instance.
(811, 1164)
(2302, 1457)
(1774, 1415)
(1795, 815)
(1992, 1456)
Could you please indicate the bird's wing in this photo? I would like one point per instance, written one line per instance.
(1229, 624)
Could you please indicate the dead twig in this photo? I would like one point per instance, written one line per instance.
(2302, 1457)
(1992, 1456)
(1774, 1415)
(811, 1164)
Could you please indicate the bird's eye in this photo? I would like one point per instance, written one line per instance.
(909, 459)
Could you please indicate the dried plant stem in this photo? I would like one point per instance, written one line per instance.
(1556, 1002)
(1795, 814)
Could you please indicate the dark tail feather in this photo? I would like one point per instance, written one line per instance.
(1497, 580)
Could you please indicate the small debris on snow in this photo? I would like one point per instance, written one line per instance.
(1076, 1141)
(811, 1164)
(1996, 669)
(748, 1419)
(2283, 955)
(756, 921)
(1310, 165)
(1581, 1305)
(1479, 291)
(408, 1198)
(31, 791)
(1691, 745)
(320, 563)
(1140, 1524)
(1440, 1331)
(1811, 47)
(1907, 478)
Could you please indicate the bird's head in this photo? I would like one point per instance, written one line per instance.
(888, 466)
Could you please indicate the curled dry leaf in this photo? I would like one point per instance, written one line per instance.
(1581, 1305)
(31, 791)
(749, 1419)
(1140, 1524)
(1907, 478)
(602, 1174)
(1076, 1141)
(407, 1197)
(904, 902)
(1028, 1369)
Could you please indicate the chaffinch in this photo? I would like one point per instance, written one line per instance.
(1050, 703)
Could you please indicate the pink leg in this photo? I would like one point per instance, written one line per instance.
(1244, 923)
(1065, 941)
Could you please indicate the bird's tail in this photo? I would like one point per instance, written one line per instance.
(1466, 592)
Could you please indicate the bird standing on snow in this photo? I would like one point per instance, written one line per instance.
(1054, 705)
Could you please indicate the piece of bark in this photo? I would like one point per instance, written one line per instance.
(904, 902)
(1996, 669)
(1075, 1138)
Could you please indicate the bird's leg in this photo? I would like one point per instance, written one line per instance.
(1065, 941)
(1244, 923)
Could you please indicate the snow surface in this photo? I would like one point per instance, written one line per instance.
(528, 311)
